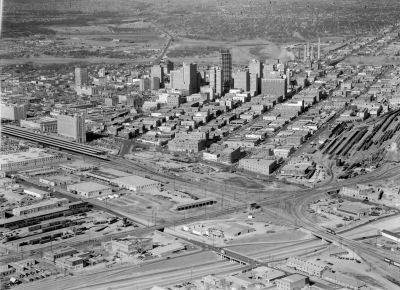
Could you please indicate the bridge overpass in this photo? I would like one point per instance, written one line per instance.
(53, 141)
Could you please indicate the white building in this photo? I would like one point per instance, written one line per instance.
(136, 183)
(72, 127)
(89, 189)
(37, 193)
(34, 157)
(13, 112)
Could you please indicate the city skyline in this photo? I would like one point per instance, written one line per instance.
(199, 145)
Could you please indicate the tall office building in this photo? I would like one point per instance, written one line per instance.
(241, 80)
(144, 84)
(81, 76)
(225, 63)
(157, 71)
(255, 67)
(72, 126)
(215, 77)
(268, 69)
(185, 79)
(167, 65)
(255, 84)
(12, 112)
(255, 71)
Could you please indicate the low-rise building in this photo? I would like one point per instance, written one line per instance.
(60, 253)
(309, 267)
(260, 166)
(34, 157)
(292, 282)
(37, 193)
(136, 183)
(40, 206)
(89, 189)
(131, 245)
(391, 236)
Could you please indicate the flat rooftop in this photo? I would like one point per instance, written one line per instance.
(134, 180)
(109, 173)
(89, 186)
(31, 154)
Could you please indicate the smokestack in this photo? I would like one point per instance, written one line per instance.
(308, 49)
(319, 48)
(305, 52)
(312, 52)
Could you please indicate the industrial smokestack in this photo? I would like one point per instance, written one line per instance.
(319, 48)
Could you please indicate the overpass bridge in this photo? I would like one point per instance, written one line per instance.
(53, 141)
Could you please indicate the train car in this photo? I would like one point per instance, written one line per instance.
(391, 262)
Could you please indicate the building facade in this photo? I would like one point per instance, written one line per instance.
(12, 112)
(72, 126)
(225, 63)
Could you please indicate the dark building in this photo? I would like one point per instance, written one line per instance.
(225, 63)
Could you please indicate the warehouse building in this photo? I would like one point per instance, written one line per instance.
(309, 267)
(31, 158)
(37, 193)
(60, 253)
(391, 236)
(131, 245)
(292, 282)
(260, 166)
(136, 183)
(354, 209)
(40, 206)
(89, 189)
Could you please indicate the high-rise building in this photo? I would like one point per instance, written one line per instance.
(268, 69)
(185, 78)
(157, 71)
(255, 67)
(242, 80)
(255, 71)
(81, 76)
(154, 83)
(72, 126)
(255, 83)
(102, 72)
(144, 84)
(215, 77)
(276, 87)
(13, 112)
(167, 65)
(225, 63)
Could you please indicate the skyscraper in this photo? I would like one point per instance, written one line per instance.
(81, 76)
(158, 72)
(255, 71)
(72, 126)
(225, 63)
(185, 78)
(255, 83)
(215, 77)
(242, 80)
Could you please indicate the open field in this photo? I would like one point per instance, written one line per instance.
(255, 29)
